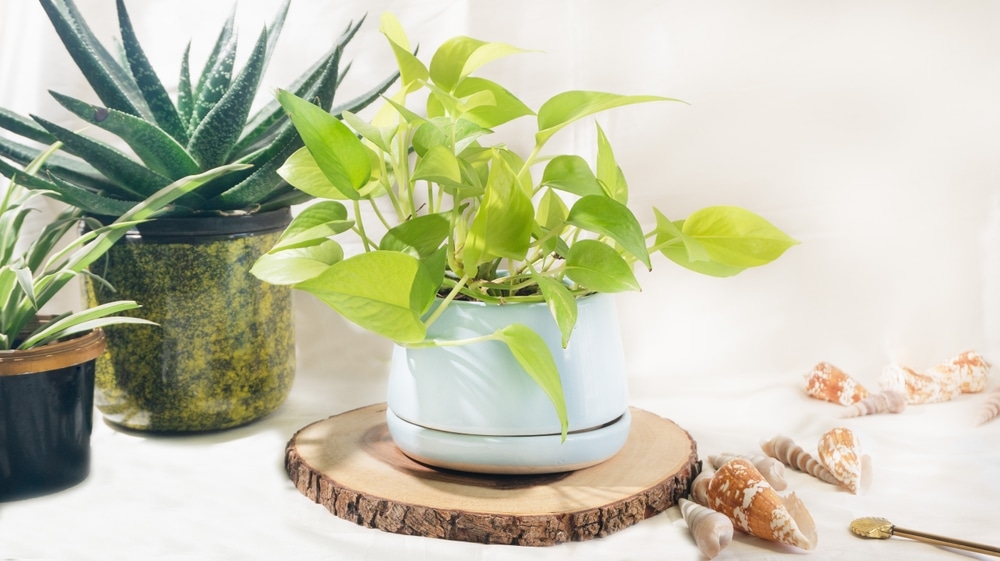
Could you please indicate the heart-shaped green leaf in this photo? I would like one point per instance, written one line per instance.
(598, 267)
(533, 354)
(608, 217)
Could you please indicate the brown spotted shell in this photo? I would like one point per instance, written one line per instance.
(840, 451)
(920, 387)
(712, 531)
(826, 381)
(772, 469)
(969, 369)
(740, 492)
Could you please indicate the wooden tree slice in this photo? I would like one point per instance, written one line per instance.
(349, 464)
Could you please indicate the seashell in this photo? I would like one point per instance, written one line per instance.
(712, 531)
(826, 381)
(888, 401)
(969, 369)
(792, 455)
(990, 408)
(740, 492)
(772, 469)
(699, 488)
(840, 452)
(930, 387)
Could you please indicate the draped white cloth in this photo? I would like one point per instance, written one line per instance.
(867, 131)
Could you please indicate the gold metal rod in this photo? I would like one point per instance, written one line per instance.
(948, 542)
(882, 529)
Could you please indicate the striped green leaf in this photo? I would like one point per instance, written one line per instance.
(113, 84)
(215, 136)
(148, 81)
(155, 148)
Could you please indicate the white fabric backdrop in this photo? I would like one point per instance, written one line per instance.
(867, 131)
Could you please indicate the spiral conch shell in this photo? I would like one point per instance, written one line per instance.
(990, 409)
(792, 455)
(840, 452)
(712, 531)
(826, 381)
(699, 487)
(962, 373)
(888, 401)
(740, 492)
(772, 469)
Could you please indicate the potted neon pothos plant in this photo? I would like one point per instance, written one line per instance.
(47, 361)
(225, 354)
(492, 271)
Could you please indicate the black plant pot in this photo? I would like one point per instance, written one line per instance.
(46, 416)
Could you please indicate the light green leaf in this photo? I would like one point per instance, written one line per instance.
(375, 291)
(597, 266)
(379, 136)
(567, 107)
(736, 237)
(293, 266)
(550, 217)
(439, 165)
(571, 174)
(502, 225)
(313, 225)
(411, 70)
(533, 354)
(301, 171)
(597, 213)
(561, 303)
(420, 236)
(460, 56)
(338, 152)
(504, 107)
(80, 321)
(608, 171)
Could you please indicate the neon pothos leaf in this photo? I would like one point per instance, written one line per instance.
(561, 303)
(598, 267)
(338, 152)
(687, 251)
(567, 107)
(374, 290)
(502, 225)
(571, 174)
(294, 266)
(599, 214)
(737, 237)
(459, 56)
(533, 354)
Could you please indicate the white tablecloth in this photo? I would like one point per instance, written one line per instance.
(226, 496)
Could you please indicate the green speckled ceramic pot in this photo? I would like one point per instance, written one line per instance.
(224, 352)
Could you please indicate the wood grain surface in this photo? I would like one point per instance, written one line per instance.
(349, 464)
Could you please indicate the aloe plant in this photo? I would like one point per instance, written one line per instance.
(208, 125)
(31, 277)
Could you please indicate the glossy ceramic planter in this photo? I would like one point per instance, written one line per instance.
(474, 408)
(46, 416)
(224, 352)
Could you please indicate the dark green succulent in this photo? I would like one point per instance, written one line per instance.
(209, 125)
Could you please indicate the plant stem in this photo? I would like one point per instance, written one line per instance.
(447, 300)
(360, 226)
(428, 343)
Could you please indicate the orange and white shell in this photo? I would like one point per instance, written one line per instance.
(840, 451)
(968, 369)
(792, 455)
(826, 381)
(919, 387)
(772, 469)
(888, 401)
(712, 531)
(990, 409)
(740, 492)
